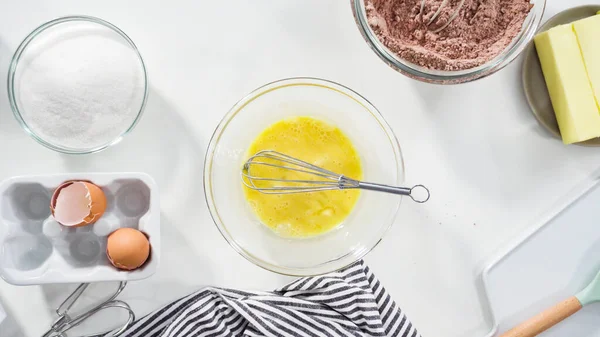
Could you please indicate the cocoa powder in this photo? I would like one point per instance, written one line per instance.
(482, 30)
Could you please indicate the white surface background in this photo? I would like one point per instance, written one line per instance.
(490, 167)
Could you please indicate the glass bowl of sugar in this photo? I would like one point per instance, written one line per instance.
(77, 84)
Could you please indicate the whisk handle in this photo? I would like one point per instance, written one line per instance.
(422, 191)
(384, 188)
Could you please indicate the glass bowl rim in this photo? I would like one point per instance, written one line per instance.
(13, 70)
(239, 106)
(503, 59)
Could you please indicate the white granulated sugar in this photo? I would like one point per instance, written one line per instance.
(79, 85)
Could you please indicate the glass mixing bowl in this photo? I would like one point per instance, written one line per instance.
(65, 28)
(411, 70)
(331, 102)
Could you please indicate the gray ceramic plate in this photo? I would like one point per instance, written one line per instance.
(533, 78)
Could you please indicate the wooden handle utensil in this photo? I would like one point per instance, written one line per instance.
(552, 316)
(546, 319)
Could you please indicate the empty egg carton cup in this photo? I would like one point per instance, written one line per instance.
(35, 249)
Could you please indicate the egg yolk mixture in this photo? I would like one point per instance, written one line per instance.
(304, 214)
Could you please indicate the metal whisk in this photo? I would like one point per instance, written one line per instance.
(65, 321)
(317, 178)
(443, 5)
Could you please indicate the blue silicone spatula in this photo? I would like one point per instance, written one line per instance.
(558, 313)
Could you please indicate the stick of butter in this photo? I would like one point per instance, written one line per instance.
(568, 84)
(588, 37)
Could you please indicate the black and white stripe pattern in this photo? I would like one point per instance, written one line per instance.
(350, 302)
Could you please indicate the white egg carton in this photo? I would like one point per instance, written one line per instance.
(35, 249)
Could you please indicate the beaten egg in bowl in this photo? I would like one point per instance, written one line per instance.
(320, 144)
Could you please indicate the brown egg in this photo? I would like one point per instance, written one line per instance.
(127, 248)
(77, 203)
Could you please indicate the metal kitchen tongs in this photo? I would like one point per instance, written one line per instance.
(65, 322)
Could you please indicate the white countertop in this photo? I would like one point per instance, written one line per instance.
(490, 167)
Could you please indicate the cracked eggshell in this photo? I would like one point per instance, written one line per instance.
(77, 203)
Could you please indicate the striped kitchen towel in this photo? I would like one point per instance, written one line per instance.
(350, 302)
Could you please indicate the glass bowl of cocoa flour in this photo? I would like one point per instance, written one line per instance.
(484, 37)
